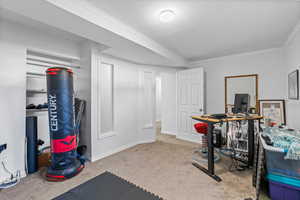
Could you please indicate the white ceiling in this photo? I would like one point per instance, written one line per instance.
(205, 29)
(41, 27)
(85, 21)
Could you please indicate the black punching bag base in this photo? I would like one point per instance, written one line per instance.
(57, 175)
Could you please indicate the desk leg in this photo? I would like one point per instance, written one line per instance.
(251, 137)
(259, 126)
(211, 165)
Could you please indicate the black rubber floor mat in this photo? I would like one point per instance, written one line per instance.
(107, 186)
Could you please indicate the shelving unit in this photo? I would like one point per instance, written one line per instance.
(38, 61)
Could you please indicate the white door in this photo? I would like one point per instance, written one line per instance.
(190, 97)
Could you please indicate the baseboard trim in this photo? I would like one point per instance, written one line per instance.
(146, 142)
(167, 132)
(117, 150)
(127, 146)
(189, 139)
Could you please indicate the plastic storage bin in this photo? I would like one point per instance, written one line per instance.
(276, 164)
(283, 188)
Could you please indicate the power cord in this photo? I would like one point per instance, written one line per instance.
(13, 180)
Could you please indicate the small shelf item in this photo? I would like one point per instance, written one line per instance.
(36, 91)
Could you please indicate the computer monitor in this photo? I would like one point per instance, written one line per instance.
(241, 103)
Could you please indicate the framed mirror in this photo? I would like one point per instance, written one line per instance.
(243, 87)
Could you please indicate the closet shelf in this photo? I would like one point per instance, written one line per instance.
(42, 58)
(46, 53)
(37, 91)
(47, 65)
(35, 74)
(37, 110)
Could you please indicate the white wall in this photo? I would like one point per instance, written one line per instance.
(292, 58)
(268, 64)
(14, 40)
(12, 104)
(125, 112)
(83, 88)
(158, 97)
(128, 112)
(128, 108)
(272, 66)
(243, 85)
(168, 108)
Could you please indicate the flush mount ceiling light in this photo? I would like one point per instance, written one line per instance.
(166, 16)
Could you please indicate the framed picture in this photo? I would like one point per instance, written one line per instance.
(293, 82)
(274, 110)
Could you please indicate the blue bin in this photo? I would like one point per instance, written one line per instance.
(276, 164)
(283, 188)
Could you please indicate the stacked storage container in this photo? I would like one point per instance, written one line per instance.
(283, 188)
(283, 164)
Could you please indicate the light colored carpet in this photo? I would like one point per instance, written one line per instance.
(163, 168)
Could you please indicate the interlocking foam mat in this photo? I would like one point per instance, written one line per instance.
(107, 186)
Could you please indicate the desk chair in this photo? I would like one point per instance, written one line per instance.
(202, 128)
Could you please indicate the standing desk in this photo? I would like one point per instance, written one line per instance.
(211, 122)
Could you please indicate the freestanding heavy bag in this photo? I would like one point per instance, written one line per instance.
(63, 138)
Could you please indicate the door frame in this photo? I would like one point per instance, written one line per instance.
(193, 137)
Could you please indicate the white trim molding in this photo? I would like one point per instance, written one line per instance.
(119, 149)
(189, 138)
(114, 151)
(167, 132)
